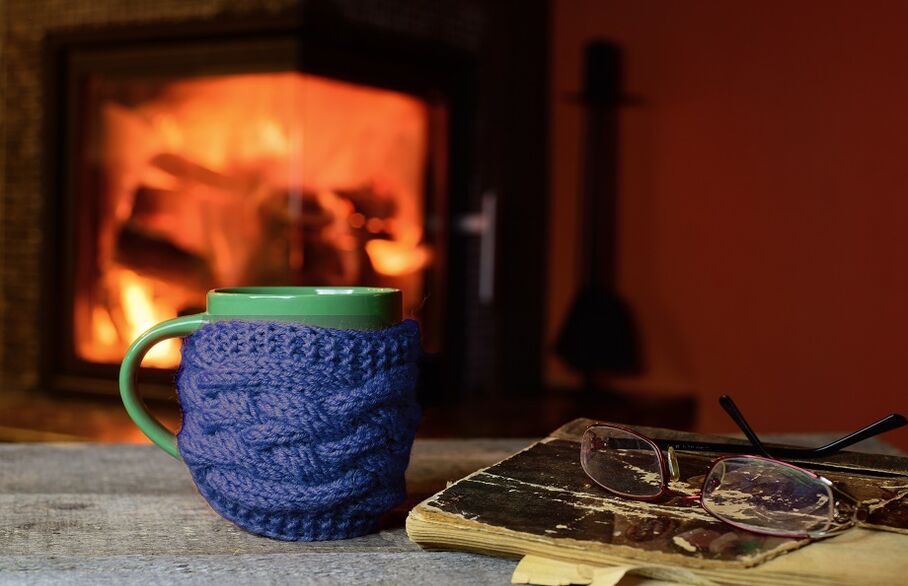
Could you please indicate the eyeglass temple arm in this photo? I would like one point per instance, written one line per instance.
(735, 414)
(733, 411)
(888, 423)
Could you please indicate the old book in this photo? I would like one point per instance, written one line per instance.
(540, 502)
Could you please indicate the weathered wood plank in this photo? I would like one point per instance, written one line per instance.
(87, 525)
(228, 570)
(68, 468)
(83, 499)
(124, 514)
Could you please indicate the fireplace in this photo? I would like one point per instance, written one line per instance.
(183, 148)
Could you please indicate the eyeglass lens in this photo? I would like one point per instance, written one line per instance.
(767, 496)
(621, 462)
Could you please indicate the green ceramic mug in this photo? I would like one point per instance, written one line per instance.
(350, 308)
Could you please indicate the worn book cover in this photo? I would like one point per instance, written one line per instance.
(539, 501)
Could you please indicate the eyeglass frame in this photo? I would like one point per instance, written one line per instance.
(669, 469)
(858, 511)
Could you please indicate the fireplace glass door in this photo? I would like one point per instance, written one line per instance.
(191, 182)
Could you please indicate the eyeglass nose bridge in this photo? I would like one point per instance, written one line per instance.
(851, 511)
(847, 509)
(674, 469)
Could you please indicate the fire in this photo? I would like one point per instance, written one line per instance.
(282, 178)
(142, 313)
(136, 310)
(395, 259)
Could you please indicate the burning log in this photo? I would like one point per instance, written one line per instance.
(153, 256)
(191, 172)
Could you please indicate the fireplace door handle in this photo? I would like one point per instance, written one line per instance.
(174, 328)
(483, 224)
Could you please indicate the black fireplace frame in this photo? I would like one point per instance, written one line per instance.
(496, 98)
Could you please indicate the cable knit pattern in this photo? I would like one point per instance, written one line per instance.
(298, 432)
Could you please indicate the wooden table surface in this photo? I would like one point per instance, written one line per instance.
(129, 514)
(123, 514)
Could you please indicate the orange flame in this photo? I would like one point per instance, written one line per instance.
(136, 310)
(142, 313)
(395, 259)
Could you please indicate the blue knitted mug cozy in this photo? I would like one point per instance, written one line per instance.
(298, 432)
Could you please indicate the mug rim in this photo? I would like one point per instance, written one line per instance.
(377, 306)
(285, 291)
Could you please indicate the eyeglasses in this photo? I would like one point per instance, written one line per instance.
(757, 493)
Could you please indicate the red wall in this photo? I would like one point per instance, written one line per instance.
(764, 202)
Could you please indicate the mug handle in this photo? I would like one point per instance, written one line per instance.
(177, 327)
